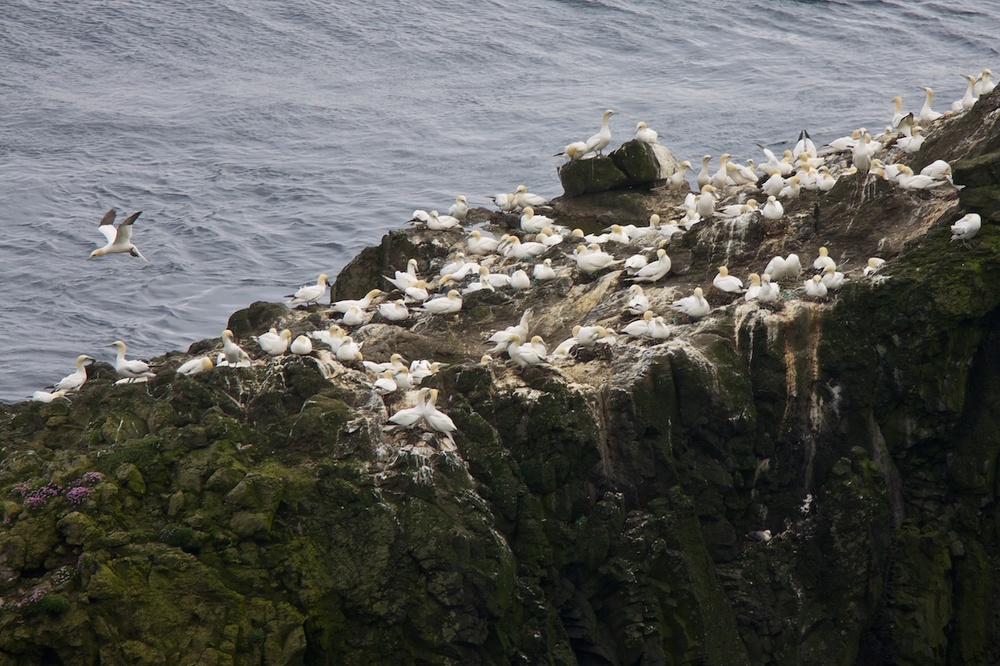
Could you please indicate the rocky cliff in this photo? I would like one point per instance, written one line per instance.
(591, 511)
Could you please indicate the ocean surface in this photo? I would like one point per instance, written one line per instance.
(267, 142)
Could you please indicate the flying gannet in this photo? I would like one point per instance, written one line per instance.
(119, 239)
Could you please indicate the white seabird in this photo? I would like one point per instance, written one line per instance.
(194, 366)
(875, 264)
(773, 209)
(448, 304)
(726, 282)
(301, 346)
(926, 113)
(695, 305)
(966, 228)
(134, 369)
(823, 260)
(394, 311)
(310, 293)
(654, 270)
(544, 271)
(235, 356)
(274, 343)
(600, 141)
(644, 134)
(815, 287)
(363, 303)
(120, 238)
(480, 243)
(523, 198)
(460, 208)
(832, 278)
(74, 380)
(45, 396)
(592, 259)
(573, 151)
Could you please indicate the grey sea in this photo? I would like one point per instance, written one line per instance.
(267, 142)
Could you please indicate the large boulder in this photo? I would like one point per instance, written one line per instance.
(634, 165)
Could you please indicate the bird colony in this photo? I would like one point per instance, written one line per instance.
(524, 248)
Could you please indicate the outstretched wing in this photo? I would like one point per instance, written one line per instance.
(107, 225)
(125, 229)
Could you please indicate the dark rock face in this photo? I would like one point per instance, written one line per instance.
(591, 512)
(635, 165)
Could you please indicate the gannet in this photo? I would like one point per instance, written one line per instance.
(235, 356)
(504, 201)
(640, 327)
(726, 282)
(784, 165)
(385, 384)
(301, 346)
(309, 293)
(966, 228)
(599, 141)
(658, 329)
(773, 209)
(984, 83)
(677, 179)
(274, 343)
(481, 244)
(703, 178)
(519, 280)
(588, 336)
(823, 260)
(520, 250)
(548, 237)
(394, 311)
(523, 198)
(444, 304)
(804, 145)
(874, 266)
(908, 181)
(772, 186)
(418, 292)
(913, 143)
(395, 363)
(523, 355)
(362, 303)
(735, 210)
(926, 113)
(406, 278)
(937, 169)
(501, 338)
(544, 271)
(349, 350)
(592, 259)
(832, 278)
(638, 302)
(721, 178)
(410, 416)
(333, 337)
(45, 396)
(695, 305)
(897, 114)
(421, 369)
(421, 216)
(644, 134)
(355, 316)
(119, 239)
(195, 365)
(435, 418)
(134, 369)
(779, 268)
(438, 222)
(753, 288)
(573, 151)
(845, 143)
(494, 280)
(792, 188)
(705, 207)
(815, 287)
(654, 270)
(532, 223)
(969, 99)
(634, 263)
(769, 291)
(826, 180)
(460, 208)
(74, 380)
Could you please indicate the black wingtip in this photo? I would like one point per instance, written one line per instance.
(109, 218)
